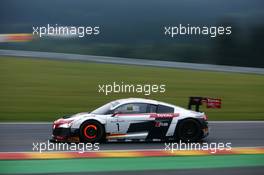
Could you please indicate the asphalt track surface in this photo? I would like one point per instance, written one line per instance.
(19, 137)
(129, 61)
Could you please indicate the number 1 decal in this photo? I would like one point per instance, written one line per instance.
(117, 126)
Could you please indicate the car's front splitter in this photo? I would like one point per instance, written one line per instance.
(64, 135)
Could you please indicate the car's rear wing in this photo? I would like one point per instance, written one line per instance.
(198, 101)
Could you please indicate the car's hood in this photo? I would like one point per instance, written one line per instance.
(79, 115)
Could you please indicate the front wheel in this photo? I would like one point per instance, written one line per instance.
(91, 132)
(189, 130)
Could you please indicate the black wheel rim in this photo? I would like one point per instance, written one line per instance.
(189, 131)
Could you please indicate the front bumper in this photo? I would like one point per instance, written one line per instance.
(65, 135)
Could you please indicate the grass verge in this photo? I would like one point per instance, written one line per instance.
(43, 90)
(128, 164)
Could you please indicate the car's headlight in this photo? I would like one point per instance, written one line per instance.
(62, 123)
(65, 125)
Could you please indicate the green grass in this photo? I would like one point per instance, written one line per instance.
(43, 90)
(128, 164)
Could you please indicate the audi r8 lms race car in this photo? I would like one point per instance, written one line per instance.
(135, 119)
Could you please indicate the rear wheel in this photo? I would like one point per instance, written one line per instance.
(91, 131)
(189, 130)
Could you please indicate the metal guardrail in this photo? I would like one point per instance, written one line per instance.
(130, 61)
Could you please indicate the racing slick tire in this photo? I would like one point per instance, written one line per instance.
(91, 132)
(189, 130)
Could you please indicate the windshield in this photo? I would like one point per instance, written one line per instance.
(105, 108)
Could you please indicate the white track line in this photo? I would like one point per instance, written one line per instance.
(25, 123)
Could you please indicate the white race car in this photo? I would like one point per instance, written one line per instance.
(132, 119)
